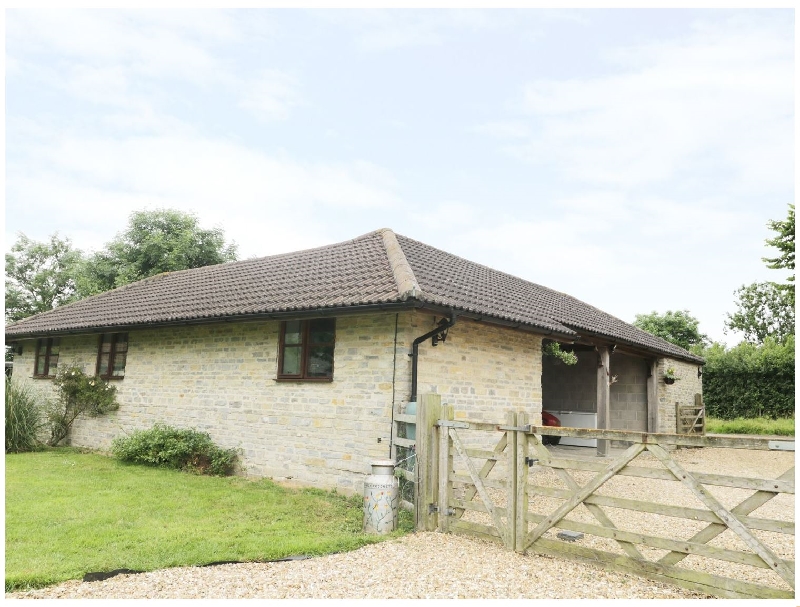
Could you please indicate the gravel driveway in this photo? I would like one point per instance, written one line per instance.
(419, 566)
(434, 565)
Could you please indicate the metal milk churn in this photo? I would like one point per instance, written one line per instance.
(381, 498)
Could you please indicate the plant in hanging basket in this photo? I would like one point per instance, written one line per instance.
(669, 376)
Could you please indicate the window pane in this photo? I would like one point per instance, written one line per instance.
(291, 361)
(53, 365)
(122, 342)
(102, 368)
(119, 364)
(292, 334)
(54, 347)
(322, 331)
(106, 347)
(320, 361)
(40, 364)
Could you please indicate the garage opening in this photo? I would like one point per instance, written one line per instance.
(569, 391)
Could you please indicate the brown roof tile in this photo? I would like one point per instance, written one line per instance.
(376, 268)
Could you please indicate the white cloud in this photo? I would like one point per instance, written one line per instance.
(721, 99)
(104, 180)
(270, 95)
(389, 29)
(123, 58)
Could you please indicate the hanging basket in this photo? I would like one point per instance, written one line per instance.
(669, 380)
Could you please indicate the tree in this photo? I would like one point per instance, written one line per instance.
(784, 242)
(679, 328)
(766, 309)
(164, 240)
(40, 275)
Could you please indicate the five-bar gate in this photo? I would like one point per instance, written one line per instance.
(645, 510)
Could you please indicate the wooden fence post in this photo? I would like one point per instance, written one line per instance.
(511, 478)
(445, 466)
(429, 410)
(521, 501)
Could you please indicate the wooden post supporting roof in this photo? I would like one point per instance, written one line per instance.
(652, 396)
(603, 397)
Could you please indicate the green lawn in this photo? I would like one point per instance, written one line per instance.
(756, 425)
(69, 513)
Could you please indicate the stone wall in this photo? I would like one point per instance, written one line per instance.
(628, 404)
(221, 378)
(682, 391)
(482, 370)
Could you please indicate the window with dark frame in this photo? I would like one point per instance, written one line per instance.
(46, 362)
(306, 349)
(112, 354)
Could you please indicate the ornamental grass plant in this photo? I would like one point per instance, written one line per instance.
(24, 417)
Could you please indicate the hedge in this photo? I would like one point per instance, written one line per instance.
(750, 380)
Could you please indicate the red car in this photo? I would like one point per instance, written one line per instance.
(548, 419)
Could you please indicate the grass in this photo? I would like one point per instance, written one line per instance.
(755, 425)
(69, 513)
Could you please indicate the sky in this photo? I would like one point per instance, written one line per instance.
(630, 157)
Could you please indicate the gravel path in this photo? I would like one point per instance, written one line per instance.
(434, 565)
(419, 566)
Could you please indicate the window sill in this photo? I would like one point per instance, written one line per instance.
(43, 376)
(304, 380)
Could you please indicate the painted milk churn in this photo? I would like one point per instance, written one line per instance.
(381, 498)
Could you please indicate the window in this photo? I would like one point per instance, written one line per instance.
(306, 349)
(46, 362)
(111, 355)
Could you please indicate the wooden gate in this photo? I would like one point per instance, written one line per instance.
(691, 419)
(644, 510)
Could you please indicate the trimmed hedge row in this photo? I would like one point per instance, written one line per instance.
(749, 380)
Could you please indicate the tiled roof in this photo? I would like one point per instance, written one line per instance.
(379, 268)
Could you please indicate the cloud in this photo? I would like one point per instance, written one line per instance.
(270, 95)
(104, 180)
(123, 59)
(390, 29)
(718, 100)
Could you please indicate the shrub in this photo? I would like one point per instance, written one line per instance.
(77, 393)
(24, 417)
(183, 449)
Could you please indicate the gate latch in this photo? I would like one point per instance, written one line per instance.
(531, 461)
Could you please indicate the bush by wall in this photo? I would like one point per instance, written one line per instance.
(24, 417)
(750, 380)
(183, 449)
(78, 393)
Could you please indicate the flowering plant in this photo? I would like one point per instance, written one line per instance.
(78, 393)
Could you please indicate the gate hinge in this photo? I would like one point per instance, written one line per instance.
(435, 508)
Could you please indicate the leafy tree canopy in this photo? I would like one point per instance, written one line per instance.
(679, 328)
(40, 275)
(763, 309)
(164, 240)
(784, 242)
(766, 309)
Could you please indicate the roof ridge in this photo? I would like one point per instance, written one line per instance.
(407, 285)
